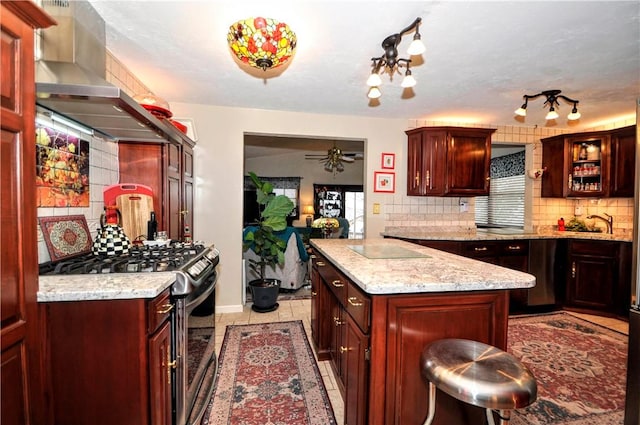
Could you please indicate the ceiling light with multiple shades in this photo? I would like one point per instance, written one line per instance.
(262, 42)
(334, 158)
(552, 101)
(390, 62)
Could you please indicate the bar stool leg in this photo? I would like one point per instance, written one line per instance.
(504, 415)
(432, 404)
(490, 420)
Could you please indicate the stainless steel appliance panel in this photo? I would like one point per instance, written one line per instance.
(542, 264)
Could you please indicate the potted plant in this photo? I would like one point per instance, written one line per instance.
(265, 242)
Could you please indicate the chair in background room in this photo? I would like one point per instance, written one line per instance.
(292, 274)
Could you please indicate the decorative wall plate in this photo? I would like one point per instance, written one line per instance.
(66, 236)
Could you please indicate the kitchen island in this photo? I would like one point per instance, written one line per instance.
(376, 304)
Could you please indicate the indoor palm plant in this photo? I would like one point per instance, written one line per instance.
(265, 242)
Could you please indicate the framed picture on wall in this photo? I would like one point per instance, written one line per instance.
(384, 182)
(389, 160)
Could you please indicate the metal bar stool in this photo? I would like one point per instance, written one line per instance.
(478, 374)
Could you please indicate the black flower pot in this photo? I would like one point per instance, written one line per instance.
(265, 294)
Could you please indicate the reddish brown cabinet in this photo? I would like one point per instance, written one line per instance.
(448, 161)
(513, 254)
(376, 342)
(623, 153)
(168, 169)
(598, 277)
(344, 337)
(110, 361)
(22, 398)
(593, 164)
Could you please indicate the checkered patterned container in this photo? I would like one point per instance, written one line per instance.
(111, 241)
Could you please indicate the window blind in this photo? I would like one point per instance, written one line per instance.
(505, 204)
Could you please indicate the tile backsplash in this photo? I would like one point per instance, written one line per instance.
(541, 214)
(103, 160)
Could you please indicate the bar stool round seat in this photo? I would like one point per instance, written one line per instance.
(478, 374)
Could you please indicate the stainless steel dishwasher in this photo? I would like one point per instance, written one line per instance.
(543, 265)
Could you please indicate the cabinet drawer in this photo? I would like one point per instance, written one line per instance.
(158, 311)
(336, 282)
(359, 307)
(597, 248)
(479, 249)
(514, 248)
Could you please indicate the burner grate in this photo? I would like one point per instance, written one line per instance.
(139, 259)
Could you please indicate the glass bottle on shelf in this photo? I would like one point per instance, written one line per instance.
(585, 167)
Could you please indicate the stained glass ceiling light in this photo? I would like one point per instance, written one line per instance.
(262, 42)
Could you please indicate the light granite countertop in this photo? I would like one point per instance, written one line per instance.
(503, 234)
(106, 286)
(415, 269)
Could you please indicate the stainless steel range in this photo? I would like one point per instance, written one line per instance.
(196, 275)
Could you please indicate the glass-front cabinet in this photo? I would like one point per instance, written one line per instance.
(586, 167)
(597, 164)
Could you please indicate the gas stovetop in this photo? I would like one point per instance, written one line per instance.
(140, 258)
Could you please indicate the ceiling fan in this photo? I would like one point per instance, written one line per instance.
(334, 158)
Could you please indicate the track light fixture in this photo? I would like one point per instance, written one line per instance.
(391, 64)
(552, 102)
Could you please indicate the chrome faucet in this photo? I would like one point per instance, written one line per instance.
(608, 220)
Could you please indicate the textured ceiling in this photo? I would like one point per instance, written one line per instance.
(481, 57)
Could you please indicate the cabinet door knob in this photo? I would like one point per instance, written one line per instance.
(514, 247)
(344, 349)
(337, 283)
(573, 269)
(429, 179)
(480, 248)
(418, 178)
(313, 293)
(354, 301)
(320, 264)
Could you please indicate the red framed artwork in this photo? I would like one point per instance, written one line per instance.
(389, 161)
(384, 181)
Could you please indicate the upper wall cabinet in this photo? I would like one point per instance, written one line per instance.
(448, 161)
(595, 164)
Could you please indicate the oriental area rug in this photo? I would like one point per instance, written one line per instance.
(580, 368)
(267, 375)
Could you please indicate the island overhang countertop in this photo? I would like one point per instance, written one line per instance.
(388, 266)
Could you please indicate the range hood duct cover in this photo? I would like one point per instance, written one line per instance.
(70, 79)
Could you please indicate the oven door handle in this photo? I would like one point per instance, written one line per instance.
(210, 284)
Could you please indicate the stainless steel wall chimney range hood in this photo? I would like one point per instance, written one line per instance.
(71, 79)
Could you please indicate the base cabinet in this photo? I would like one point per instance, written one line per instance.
(344, 337)
(110, 361)
(513, 254)
(376, 342)
(597, 277)
(592, 276)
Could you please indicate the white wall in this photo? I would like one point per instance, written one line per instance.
(219, 173)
